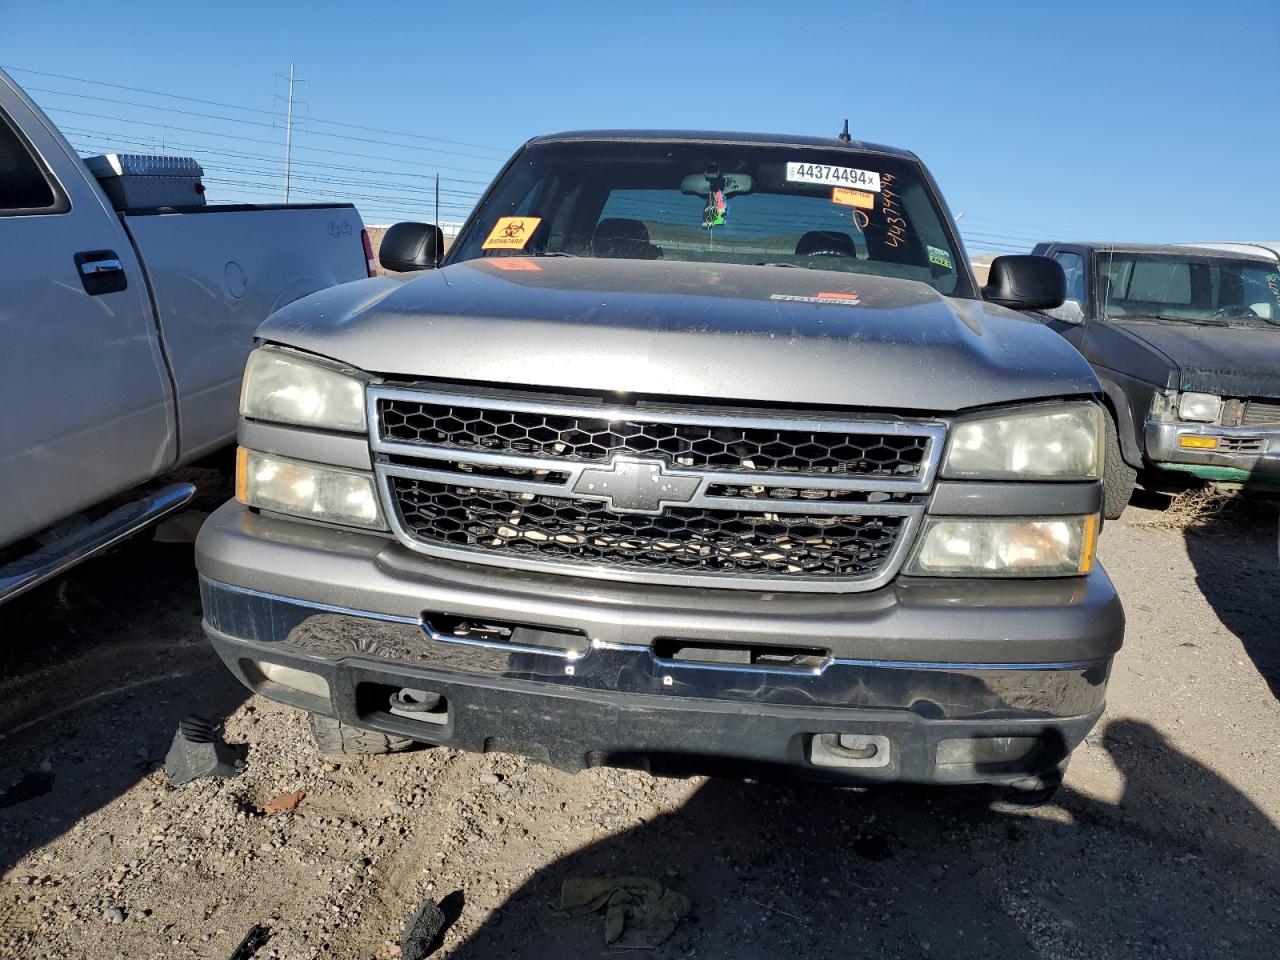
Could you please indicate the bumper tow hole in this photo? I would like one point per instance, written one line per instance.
(849, 750)
(419, 705)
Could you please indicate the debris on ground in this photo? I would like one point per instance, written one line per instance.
(253, 941)
(198, 751)
(639, 912)
(284, 802)
(422, 931)
(1208, 511)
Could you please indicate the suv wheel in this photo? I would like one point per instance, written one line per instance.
(337, 739)
(1118, 477)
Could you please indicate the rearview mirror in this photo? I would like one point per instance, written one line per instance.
(1025, 282)
(411, 246)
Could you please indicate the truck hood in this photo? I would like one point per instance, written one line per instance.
(1228, 361)
(726, 332)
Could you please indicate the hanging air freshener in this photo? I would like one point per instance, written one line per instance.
(714, 212)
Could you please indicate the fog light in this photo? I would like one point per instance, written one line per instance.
(302, 681)
(972, 751)
(1199, 443)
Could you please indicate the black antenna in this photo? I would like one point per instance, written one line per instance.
(844, 134)
(440, 233)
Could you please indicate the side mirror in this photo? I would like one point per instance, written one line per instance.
(1026, 282)
(1070, 312)
(411, 246)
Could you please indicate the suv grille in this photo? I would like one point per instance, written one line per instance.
(573, 436)
(564, 530)
(724, 498)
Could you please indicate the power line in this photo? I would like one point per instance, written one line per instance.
(255, 123)
(270, 113)
(319, 164)
(236, 136)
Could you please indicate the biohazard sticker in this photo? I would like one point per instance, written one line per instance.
(511, 233)
(853, 198)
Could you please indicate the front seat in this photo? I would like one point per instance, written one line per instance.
(829, 243)
(622, 239)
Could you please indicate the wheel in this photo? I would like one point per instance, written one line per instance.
(337, 739)
(1118, 477)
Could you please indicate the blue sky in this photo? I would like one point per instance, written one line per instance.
(1142, 121)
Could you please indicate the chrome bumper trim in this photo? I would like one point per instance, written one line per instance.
(1162, 446)
(271, 625)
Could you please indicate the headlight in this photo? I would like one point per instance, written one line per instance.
(307, 490)
(1044, 443)
(1046, 547)
(1201, 407)
(288, 388)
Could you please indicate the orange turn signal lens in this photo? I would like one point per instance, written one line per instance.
(1198, 443)
(1089, 547)
(242, 475)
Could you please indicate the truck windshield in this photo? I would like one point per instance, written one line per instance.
(709, 202)
(1188, 289)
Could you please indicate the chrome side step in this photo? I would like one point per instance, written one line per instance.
(120, 524)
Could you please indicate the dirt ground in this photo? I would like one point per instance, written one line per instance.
(1165, 841)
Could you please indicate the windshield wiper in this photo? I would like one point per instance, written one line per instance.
(1201, 322)
(774, 263)
(554, 253)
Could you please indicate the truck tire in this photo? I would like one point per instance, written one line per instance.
(1118, 477)
(337, 739)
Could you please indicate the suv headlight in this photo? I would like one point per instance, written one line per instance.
(1200, 407)
(286, 387)
(1059, 442)
(973, 547)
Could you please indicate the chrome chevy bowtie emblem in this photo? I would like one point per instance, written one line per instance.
(633, 485)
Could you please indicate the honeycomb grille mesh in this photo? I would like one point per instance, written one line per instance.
(681, 540)
(581, 437)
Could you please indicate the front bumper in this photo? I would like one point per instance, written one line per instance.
(910, 665)
(1247, 455)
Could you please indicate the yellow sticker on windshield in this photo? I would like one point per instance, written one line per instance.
(853, 198)
(511, 233)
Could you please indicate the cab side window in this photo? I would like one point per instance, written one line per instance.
(23, 185)
(1073, 266)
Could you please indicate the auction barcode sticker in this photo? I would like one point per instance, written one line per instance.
(833, 176)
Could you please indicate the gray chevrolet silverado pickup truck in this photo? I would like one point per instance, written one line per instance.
(697, 452)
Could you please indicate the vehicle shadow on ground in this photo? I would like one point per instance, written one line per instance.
(100, 666)
(1237, 566)
(1182, 866)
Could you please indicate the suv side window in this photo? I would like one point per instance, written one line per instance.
(24, 188)
(1073, 266)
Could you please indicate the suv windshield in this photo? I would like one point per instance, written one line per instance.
(1189, 289)
(709, 202)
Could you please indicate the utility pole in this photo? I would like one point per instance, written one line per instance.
(288, 135)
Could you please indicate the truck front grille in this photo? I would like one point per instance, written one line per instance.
(1261, 413)
(590, 437)
(563, 530)
(679, 494)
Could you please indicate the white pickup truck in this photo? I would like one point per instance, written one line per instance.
(123, 337)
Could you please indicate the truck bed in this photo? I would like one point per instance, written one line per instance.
(215, 273)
